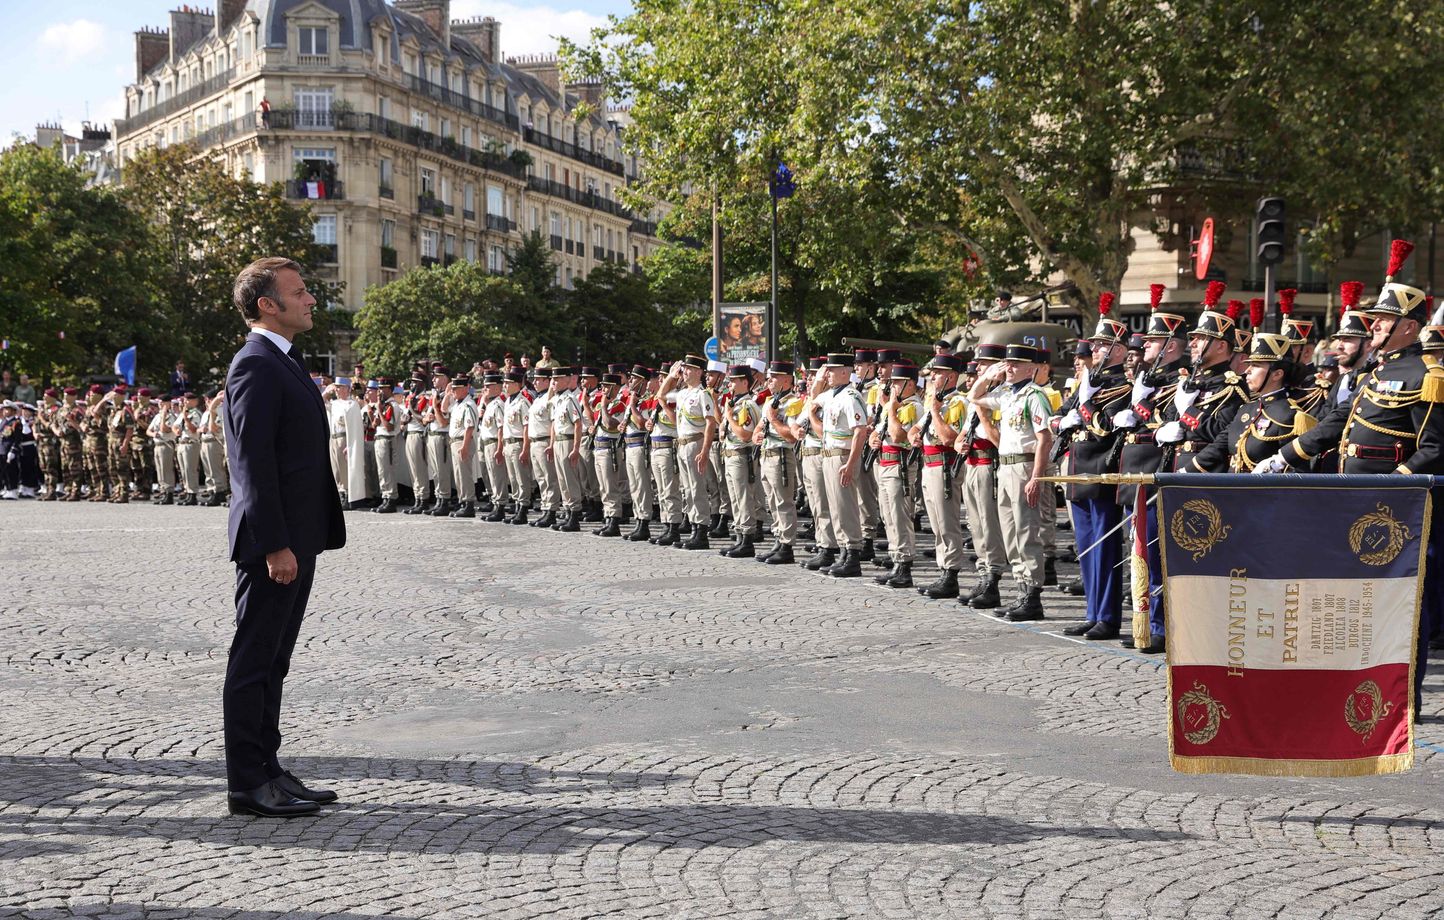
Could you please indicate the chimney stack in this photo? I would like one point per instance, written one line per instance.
(542, 66)
(188, 25)
(482, 31)
(592, 92)
(435, 13)
(227, 11)
(151, 47)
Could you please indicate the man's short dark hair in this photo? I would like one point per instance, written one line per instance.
(258, 280)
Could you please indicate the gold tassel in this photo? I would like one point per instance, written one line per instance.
(1433, 387)
(1303, 422)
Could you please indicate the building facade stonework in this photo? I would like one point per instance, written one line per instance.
(411, 137)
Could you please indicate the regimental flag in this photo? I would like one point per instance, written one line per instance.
(1142, 588)
(1292, 608)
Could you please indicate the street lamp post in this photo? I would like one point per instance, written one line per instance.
(780, 185)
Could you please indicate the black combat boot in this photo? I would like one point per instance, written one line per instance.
(945, 587)
(571, 523)
(985, 595)
(464, 510)
(548, 518)
(782, 555)
(848, 566)
(698, 540)
(387, 506)
(684, 529)
(744, 548)
(612, 528)
(902, 576)
(641, 530)
(668, 536)
(868, 554)
(442, 508)
(1029, 606)
(520, 516)
(881, 547)
(416, 507)
(498, 514)
(721, 526)
(820, 560)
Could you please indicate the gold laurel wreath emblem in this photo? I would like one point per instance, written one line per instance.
(1186, 532)
(1378, 537)
(1213, 711)
(1364, 725)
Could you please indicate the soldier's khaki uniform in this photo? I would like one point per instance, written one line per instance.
(438, 448)
(666, 474)
(695, 408)
(213, 451)
(539, 426)
(868, 487)
(780, 468)
(518, 473)
(738, 462)
(387, 419)
(639, 461)
(415, 433)
(462, 418)
(188, 450)
(895, 481)
(941, 496)
(980, 496)
(841, 416)
(565, 412)
(1023, 412)
(812, 474)
(607, 459)
(163, 438)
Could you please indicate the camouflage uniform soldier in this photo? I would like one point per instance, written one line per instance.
(118, 427)
(70, 427)
(142, 471)
(97, 422)
(47, 442)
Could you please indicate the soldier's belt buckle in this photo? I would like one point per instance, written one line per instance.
(1352, 450)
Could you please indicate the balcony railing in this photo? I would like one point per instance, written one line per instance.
(556, 243)
(644, 227)
(568, 149)
(388, 257)
(571, 248)
(314, 60)
(297, 188)
(429, 261)
(614, 256)
(329, 252)
(468, 214)
(598, 253)
(425, 204)
(586, 199)
(176, 103)
(448, 260)
(461, 101)
(386, 191)
(500, 224)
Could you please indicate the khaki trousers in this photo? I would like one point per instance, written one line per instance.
(813, 479)
(1048, 503)
(1022, 526)
(165, 465)
(639, 481)
(416, 460)
(779, 486)
(715, 482)
(569, 475)
(694, 486)
(842, 501)
(667, 484)
(498, 483)
(545, 474)
(895, 506)
(438, 455)
(867, 496)
(738, 469)
(518, 475)
(189, 453)
(587, 470)
(385, 448)
(608, 468)
(462, 471)
(980, 493)
(945, 515)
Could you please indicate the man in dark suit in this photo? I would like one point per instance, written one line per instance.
(284, 512)
(180, 381)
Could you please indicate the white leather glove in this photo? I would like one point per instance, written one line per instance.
(1125, 419)
(1070, 421)
(1274, 464)
(1171, 433)
(1184, 398)
(1141, 389)
(1086, 387)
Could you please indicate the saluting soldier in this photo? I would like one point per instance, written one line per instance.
(589, 396)
(387, 421)
(188, 448)
(119, 423)
(740, 417)
(935, 436)
(844, 425)
(714, 479)
(461, 433)
(438, 440)
(538, 446)
(696, 420)
(1299, 331)
(808, 429)
(778, 460)
(491, 444)
(213, 453)
(901, 410)
(609, 414)
(417, 404)
(1086, 426)
(978, 446)
(868, 378)
(97, 422)
(515, 415)
(641, 387)
(566, 446)
(70, 427)
(164, 428)
(47, 442)
(661, 420)
(1205, 403)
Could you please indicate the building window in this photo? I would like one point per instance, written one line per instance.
(313, 41)
(323, 231)
(388, 234)
(430, 239)
(466, 135)
(383, 107)
(450, 245)
(471, 250)
(495, 259)
(387, 174)
(556, 224)
(428, 182)
(420, 120)
(494, 202)
(313, 108)
(445, 190)
(470, 199)
(248, 163)
(446, 127)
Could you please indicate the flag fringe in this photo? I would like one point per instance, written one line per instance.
(1259, 766)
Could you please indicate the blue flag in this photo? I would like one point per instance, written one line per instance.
(125, 365)
(782, 184)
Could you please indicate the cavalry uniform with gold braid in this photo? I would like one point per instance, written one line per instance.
(1260, 428)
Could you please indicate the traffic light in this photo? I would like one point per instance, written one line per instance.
(1268, 224)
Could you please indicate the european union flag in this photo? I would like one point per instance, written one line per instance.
(125, 365)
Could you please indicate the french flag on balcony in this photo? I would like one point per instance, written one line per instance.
(1292, 610)
(315, 190)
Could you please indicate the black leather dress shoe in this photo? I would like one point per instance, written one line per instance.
(269, 801)
(1077, 629)
(288, 783)
(1156, 647)
(1102, 630)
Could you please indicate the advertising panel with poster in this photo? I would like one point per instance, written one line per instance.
(741, 332)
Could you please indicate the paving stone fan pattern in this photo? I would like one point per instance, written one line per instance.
(535, 724)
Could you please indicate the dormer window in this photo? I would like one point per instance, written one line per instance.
(314, 40)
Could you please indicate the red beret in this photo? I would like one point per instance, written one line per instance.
(97, 389)
(143, 391)
(70, 391)
(50, 391)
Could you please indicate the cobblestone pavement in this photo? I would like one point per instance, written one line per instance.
(534, 724)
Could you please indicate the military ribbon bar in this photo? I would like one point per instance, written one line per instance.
(1292, 609)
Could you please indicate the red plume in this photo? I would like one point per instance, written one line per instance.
(1398, 251)
(1155, 296)
(1286, 300)
(1105, 302)
(1213, 293)
(1256, 312)
(1235, 309)
(1349, 294)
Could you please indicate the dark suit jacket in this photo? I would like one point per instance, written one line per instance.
(277, 439)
